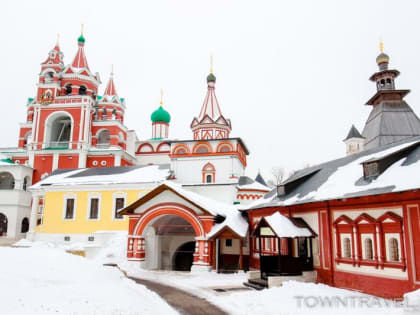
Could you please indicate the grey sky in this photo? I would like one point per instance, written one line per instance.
(291, 75)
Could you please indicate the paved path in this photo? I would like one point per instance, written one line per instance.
(183, 302)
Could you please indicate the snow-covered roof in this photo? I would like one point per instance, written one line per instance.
(284, 227)
(106, 176)
(233, 218)
(246, 183)
(344, 178)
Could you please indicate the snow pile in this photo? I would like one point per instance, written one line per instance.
(114, 251)
(307, 298)
(50, 281)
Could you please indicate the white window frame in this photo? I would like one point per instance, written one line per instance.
(342, 237)
(363, 238)
(114, 197)
(69, 196)
(90, 197)
(388, 236)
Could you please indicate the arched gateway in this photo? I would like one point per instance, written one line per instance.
(161, 234)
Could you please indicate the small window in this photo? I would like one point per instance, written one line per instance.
(25, 225)
(103, 163)
(119, 204)
(225, 149)
(228, 242)
(82, 90)
(368, 248)
(67, 238)
(371, 169)
(209, 178)
(180, 151)
(91, 239)
(94, 209)
(69, 209)
(346, 248)
(393, 249)
(68, 89)
(94, 163)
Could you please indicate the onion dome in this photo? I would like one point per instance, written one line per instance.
(160, 115)
(81, 39)
(382, 58)
(211, 77)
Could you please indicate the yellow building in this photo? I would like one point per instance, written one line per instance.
(80, 205)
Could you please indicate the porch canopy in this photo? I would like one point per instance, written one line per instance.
(277, 225)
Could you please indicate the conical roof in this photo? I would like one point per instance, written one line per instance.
(353, 133)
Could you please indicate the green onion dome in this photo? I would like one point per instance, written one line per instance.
(81, 39)
(160, 115)
(211, 78)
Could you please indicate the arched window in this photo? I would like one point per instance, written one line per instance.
(104, 138)
(346, 248)
(25, 225)
(209, 173)
(181, 151)
(3, 224)
(26, 182)
(67, 89)
(49, 77)
(394, 254)
(225, 148)
(382, 83)
(104, 113)
(27, 138)
(114, 114)
(202, 149)
(368, 248)
(58, 131)
(7, 181)
(82, 90)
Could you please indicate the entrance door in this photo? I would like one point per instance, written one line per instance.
(184, 257)
(305, 253)
(3, 224)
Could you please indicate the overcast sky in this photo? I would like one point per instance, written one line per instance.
(291, 75)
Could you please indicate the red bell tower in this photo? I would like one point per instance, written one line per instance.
(68, 125)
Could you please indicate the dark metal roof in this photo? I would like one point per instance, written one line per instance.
(245, 180)
(390, 123)
(353, 133)
(260, 179)
(312, 178)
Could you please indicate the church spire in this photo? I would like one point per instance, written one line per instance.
(80, 60)
(210, 124)
(110, 88)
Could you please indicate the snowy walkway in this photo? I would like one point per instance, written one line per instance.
(182, 301)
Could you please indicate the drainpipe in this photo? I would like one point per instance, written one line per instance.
(217, 255)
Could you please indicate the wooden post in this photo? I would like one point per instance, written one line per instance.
(241, 266)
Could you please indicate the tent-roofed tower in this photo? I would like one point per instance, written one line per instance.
(211, 124)
(354, 141)
(391, 118)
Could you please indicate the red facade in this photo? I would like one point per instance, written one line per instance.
(380, 219)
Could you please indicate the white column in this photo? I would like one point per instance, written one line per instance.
(55, 161)
(34, 218)
(117, 160)
(82, 159)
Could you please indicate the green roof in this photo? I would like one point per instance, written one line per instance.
(160, 115)
(8, 161)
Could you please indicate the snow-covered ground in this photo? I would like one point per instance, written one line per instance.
(44, 280)
(292, 298)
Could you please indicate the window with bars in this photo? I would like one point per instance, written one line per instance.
(119, 204)
(393, 249)
(368, 248)
(346, 248)
(94, 208)
(69, 215)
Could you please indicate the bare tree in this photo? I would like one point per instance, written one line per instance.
(278, 175)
